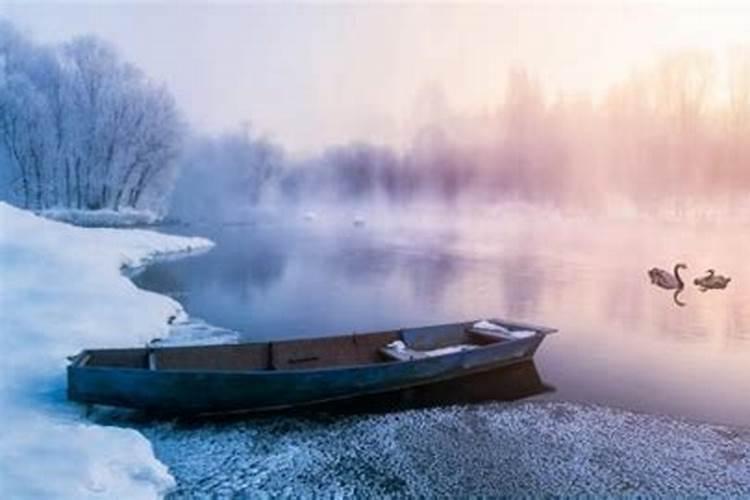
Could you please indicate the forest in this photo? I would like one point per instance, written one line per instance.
(82, 129)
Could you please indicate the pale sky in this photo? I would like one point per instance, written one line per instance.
(311, 75)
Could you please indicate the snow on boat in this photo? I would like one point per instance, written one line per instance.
(274, 375)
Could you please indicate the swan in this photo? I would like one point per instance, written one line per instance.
(664, 279)
(711, 281)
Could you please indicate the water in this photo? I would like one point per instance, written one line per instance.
(622, 341)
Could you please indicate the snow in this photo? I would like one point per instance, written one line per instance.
(399, 350)
(522, 334)
(489, 326)
(62, 289)
(449, 350)
(195, 331)
(397, 345)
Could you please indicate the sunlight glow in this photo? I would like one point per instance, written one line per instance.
(355, 71)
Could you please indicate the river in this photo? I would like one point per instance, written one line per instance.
(622, 342)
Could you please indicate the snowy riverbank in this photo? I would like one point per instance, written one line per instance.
(62, 289)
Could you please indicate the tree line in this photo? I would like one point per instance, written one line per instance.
(81, 129)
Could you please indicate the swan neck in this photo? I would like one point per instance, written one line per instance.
(677, 276)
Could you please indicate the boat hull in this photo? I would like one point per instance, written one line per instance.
(190, 392)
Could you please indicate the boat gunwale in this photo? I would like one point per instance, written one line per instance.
(83, 355)
(301, 371)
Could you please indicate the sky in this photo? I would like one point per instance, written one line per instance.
(312, 75)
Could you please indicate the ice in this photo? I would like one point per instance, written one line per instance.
(400, 351)
(62, 289)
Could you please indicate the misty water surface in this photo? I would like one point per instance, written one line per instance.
(622, 341)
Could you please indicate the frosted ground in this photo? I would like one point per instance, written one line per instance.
(62, 288)
(489, 450)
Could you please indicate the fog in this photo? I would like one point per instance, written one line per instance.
(635, 108)
(659, 140)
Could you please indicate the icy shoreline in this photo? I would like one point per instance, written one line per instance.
(63, 288)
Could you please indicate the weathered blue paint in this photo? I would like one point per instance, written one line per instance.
(208, 391)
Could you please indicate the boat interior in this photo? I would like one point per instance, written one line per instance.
(315, 353)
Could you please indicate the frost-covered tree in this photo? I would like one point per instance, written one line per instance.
(80, 128)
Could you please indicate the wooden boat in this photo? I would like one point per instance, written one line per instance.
(262, 376)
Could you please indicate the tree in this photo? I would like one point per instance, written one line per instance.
(83, 129)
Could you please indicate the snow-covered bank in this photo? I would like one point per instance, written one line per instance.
(62, 289)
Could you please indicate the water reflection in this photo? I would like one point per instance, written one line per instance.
(430, 274)
(522, 281)
(510, 383)
(622, 340)
(226, 280)
(676, 297)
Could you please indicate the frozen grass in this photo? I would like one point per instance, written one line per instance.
(126, 217)
(495, 450)
(62, 289)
